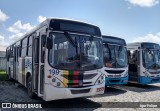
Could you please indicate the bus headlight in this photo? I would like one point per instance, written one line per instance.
(100, 80)
(56, 82)
(146, 74)
(125, 74)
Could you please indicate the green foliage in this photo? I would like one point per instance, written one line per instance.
(3, 75)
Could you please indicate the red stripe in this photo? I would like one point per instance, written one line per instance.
(75, 76)
(75, 81)
(75, 73)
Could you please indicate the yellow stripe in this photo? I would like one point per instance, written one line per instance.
(65, 72)
(65, 81)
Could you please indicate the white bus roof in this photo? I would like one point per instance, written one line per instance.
(137, 45)
(46, 23)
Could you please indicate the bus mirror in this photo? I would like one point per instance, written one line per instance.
(49, 43)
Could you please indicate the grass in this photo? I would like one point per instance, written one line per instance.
(3, 75)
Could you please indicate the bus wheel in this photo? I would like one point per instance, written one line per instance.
(9, 74)
(29, 88)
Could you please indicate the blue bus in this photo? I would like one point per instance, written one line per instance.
(115, 60)
(144, 62)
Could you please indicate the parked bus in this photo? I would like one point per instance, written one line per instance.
(144, 62)
(58, 59)
(115, 60)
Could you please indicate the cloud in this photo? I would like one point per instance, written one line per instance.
(3, 16)
(3, 44)
(149, 38)
(16, 37)
(144, 3)
(41, 19)
(18, 27)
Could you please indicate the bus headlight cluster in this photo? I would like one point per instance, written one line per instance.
(100, 80)
(56, 82)
(125, 74)
(146, 74)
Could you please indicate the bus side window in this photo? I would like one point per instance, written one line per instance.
(24, 47)
(7, 54)
(11, 52)
(43, 42)
(30, 46)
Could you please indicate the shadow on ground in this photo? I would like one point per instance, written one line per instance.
(66, 104)
(138, 87)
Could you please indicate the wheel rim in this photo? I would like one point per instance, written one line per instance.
(29, 87)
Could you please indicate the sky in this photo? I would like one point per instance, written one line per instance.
(132, 20)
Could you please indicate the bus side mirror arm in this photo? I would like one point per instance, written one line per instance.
(49, 43)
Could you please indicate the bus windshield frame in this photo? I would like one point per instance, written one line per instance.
(83, 54)
(151, 58)
(115, 56)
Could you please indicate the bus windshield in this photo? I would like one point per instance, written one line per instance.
(75, 52)
(151, 59)
(115, 56)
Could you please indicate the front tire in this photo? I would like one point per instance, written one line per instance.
(29, 88)
(9, 74)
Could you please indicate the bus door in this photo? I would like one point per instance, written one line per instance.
(38, 75)
(14, 62)
(17, 61)
(134, 65)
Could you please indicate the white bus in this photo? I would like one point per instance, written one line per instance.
(115, 60)
(144, 62)
(58, 59)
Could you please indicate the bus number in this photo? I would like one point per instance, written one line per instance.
(54, 71)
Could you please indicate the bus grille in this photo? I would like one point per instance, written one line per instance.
(85, 77)
(80, 91)
(114, 76)
(115, 71)
(158, 72)
(76, 79)
(114, 80)
(89, 76)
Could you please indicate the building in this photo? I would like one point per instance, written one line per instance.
(2, 60)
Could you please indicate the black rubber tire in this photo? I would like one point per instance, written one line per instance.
(29, 88)
(9, 75)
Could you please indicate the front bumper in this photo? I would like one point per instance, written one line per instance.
(53, 93)
(148, 80)
(115, 81)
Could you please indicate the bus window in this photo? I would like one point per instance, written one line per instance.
(24, 47)
(43, 42)
(30, 47)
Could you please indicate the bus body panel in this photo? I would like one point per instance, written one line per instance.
(21, 70)
(89, 87)
(65, 93)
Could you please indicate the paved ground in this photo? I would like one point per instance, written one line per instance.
(9, 92)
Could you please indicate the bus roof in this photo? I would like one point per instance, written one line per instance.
(147, 45)
(114, 40)
(47, 23)
(139, 43)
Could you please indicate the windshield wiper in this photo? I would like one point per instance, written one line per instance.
(70, 39)
(110, 58)
(90, 44)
